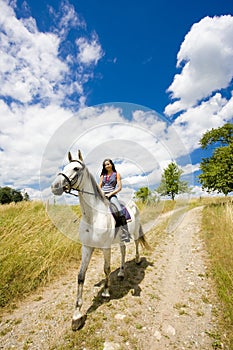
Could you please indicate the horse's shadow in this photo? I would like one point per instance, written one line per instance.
(134, 274)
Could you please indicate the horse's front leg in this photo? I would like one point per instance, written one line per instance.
(107, 269)
(79, 319)
(121, 273)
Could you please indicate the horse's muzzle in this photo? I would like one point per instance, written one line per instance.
(58, 187)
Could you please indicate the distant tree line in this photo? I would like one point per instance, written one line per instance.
(8, 195)
(217, 170)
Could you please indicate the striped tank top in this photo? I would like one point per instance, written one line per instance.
(109, 182)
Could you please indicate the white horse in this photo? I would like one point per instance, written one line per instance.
(97, 227)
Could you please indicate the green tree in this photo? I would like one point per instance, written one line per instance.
(26, 196)
(217, 170)
(142, 194)
(8, 195)
(171, 185)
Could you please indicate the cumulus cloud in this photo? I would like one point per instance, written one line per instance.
(66, 18)
(35, 65)
(193, 123)
(90, 51)
(39, 74)
(206, 61)
(29, 60)
(206, 58)
(39, 77)
(139, 150)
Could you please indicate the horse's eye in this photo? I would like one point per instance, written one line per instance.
(76, 169)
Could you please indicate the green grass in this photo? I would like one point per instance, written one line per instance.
(32, 251)
(217, 228)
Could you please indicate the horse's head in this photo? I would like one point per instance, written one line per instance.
(70, 177)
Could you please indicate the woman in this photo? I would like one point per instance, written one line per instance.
(110, 182)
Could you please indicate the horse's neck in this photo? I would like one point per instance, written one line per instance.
(91, 200)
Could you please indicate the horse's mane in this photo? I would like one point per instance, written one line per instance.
(97, 190)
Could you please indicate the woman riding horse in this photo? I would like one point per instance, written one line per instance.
(110, 182)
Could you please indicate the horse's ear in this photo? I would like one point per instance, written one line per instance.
(80, 157)
(70, 157)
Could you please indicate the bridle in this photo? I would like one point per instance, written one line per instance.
(72, 181)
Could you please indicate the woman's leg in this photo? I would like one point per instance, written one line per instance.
(116, 202)
(125, 237)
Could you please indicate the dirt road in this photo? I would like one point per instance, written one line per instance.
(165, 303)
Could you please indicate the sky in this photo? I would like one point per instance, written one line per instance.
(136, 81)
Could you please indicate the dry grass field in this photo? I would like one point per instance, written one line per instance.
(34, 253)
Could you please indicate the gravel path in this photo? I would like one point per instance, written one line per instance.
(166, 303)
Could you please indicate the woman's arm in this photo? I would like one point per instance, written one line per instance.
(101, 181)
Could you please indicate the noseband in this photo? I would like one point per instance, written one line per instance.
(72, 181)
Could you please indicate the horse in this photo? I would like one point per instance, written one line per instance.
(97, 227)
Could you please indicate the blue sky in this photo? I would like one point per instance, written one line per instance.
(140, 63)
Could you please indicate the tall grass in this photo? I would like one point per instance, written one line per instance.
(32, 250)
(217, 227)
(152, 211)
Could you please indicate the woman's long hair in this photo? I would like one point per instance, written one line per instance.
(104, 171)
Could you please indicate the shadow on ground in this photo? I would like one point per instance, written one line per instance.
(134, 274)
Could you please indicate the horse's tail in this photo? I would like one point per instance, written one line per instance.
(142, 239)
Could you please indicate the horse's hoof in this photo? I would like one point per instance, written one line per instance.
(105, 294)
(78, 323)
(121, 276)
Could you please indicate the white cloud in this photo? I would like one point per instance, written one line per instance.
(90, 51)
(193, 123)
(100, 132)
(32, 67)
(198, 192)
(29, 60)
(207, 58)
(33, 70)
(26, 134)
(37, 78)
(103, 132)
(67, 18)
(190, 168)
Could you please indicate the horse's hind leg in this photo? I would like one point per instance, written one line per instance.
(140, 238)
(121, 273)
(79, 319)
(107, 262)
(137, 255)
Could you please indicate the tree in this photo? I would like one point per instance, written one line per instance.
(217, 170)
(26, 196)
(171, 184)
(8, 195)
(143, 194)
